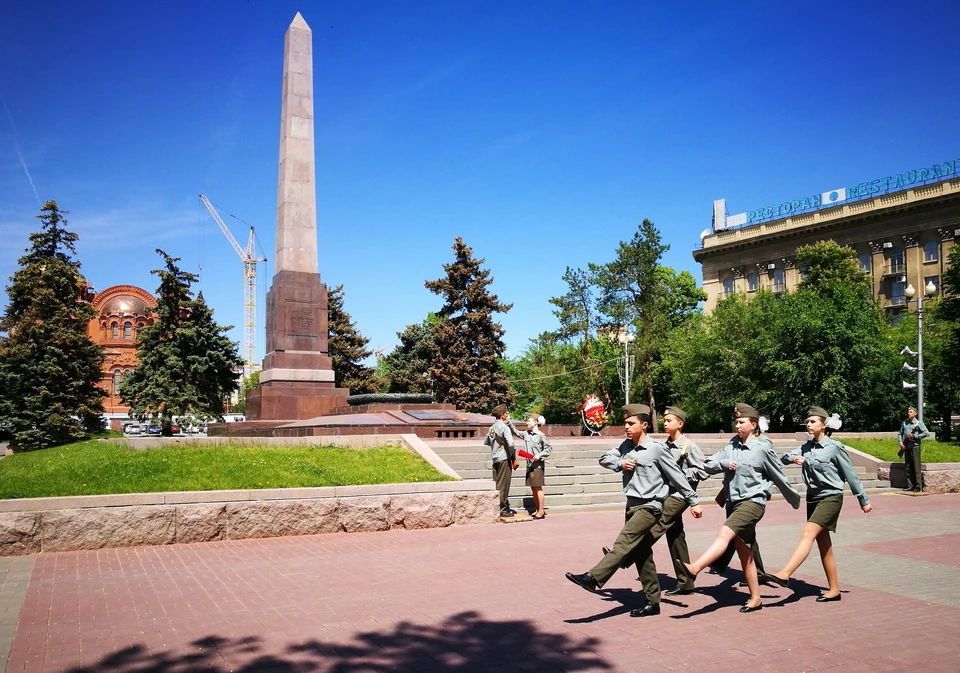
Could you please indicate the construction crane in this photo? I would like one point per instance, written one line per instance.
(250, 260)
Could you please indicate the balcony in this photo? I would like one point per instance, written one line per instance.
(896, 302)
(894, 269)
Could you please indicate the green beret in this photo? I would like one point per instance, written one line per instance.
(499, 410)
(817, 411)
(635, 410)
(746, 411)
(676, 411)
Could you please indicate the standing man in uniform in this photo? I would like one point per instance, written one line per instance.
(504, 456)
(647, 467)
(911, 432)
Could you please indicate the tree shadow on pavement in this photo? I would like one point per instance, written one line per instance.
(462, 642)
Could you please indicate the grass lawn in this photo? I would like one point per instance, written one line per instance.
(96, 468)
(931, 451)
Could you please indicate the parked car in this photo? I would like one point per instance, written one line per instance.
(133, 429)
(174, 429)
(154, 429)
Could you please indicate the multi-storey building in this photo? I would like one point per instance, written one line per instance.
(901, 227)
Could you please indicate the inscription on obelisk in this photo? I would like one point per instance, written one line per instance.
(297, 380)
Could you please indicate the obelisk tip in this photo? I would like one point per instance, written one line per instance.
(298, 22)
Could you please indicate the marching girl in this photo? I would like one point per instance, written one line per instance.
(826, 466)
(537, 448)
(750, 468)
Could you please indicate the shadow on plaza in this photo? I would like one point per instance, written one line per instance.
(463, 642)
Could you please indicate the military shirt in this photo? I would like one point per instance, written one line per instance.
(500, 440)
(825, 467)
(535, 442)
(758, 470)
(917, 429)
(647, 484)
(689, 459)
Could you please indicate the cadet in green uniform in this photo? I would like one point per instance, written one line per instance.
(504, 456)
(750, 468)
(647, 466)
(826, 466)
(911, 432)
(690, 460)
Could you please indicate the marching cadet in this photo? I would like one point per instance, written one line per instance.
(647, 466)
(690, 460)
(912, 431)
(504, 456)
(750, 468)
(826, 466)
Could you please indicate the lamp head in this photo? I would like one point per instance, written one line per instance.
(930, 289)
(909, 292)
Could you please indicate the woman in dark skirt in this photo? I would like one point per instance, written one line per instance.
(536, 446)
(826, 466)
(750, 468)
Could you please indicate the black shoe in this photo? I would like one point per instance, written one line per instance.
(746, 609)
(606, 550)
(507, 513)
(586, 580)
(764, 578)
(823, 598)
(916, 490)
(647, 610)
(773, 579)
(679, 592)
(907, 489)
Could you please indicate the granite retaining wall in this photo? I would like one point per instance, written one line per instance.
(34, 525)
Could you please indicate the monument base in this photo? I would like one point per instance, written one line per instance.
(291, 401)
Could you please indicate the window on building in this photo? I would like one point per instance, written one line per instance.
(115, 329)
(117, 377)
(778, 283)
(897, 318)
(865, 262)
(931, 252)
(753, 282)
(896, 261)
(931, 279)
(127, 330)
(897, 297)
(803, 271)
(727, 287)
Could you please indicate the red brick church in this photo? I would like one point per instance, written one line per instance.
(121, 312)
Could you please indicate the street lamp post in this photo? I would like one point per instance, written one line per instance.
(626, 338)
(929, 290)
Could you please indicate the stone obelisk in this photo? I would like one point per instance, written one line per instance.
(297, 380)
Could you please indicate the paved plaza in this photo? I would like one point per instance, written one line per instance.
(489, 598)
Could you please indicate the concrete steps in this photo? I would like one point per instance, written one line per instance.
(575, 481)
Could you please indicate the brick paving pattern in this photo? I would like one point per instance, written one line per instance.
(490, 598)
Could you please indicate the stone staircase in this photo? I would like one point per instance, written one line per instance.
(575, 481)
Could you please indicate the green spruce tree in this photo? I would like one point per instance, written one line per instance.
(468, 344)
(407, 367)
(49, 367)
(348, 348)
(187, 363)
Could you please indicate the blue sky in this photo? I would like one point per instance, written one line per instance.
(541, 132)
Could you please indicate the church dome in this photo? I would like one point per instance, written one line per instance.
(124, 306)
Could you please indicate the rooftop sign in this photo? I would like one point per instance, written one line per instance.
(863, 190)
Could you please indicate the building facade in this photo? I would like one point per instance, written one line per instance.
(122, 310)
(901, 238)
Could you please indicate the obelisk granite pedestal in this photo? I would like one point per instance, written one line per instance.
(297, 380)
